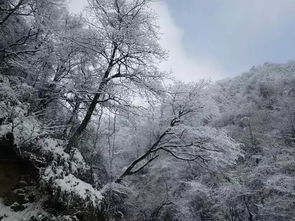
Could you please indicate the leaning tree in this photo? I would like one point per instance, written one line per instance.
(123, 37)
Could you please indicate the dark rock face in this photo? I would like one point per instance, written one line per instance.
(13, 170)
(9, 170)
(7, 147)
(18, 177)
(20, 187)
(10, 174)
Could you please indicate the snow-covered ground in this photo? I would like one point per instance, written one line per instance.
(7, 214)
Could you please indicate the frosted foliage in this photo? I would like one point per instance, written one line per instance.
(14, 114)
(281, 183)
(69, 185)
(224, 150)
(60, 176)
(28, 129)
(105, 135)
(55, 148)
(213, 145)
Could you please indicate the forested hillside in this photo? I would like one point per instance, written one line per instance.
(90, 129)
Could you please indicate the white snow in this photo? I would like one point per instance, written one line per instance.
(34, 209)
(72, 186)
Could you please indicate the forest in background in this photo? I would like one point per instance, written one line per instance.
(113, 138)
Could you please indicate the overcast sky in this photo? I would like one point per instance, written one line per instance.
(216, 39)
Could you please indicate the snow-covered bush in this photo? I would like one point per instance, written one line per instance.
(63, 176)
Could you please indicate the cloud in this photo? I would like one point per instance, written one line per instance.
(76, 6)
(253, 32)
(184, 67)
(256, 19)
(230, 36)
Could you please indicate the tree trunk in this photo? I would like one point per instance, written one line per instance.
(145, 156)
(75, 137)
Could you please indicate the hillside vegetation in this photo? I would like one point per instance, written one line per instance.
(90, 129)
